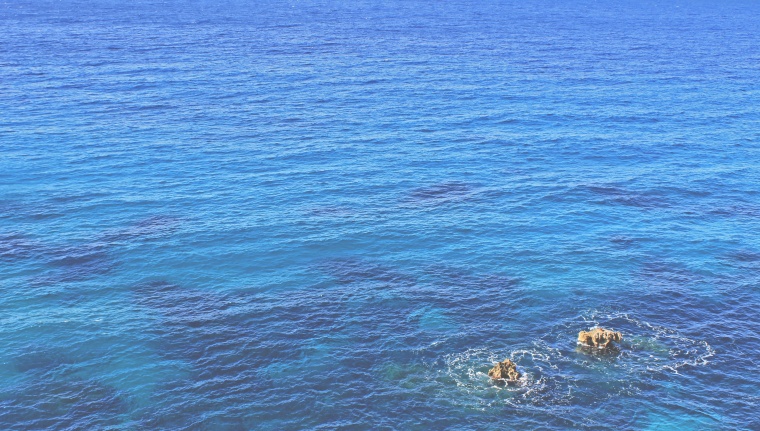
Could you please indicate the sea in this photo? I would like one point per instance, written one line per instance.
(339, 215)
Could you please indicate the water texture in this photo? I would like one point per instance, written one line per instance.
(292, 215)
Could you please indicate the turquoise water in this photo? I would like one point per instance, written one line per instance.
(338, 215)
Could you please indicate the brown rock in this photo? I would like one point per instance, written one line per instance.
(506, 370)
(599, 337)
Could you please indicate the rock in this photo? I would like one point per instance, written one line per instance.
(599, 337)
(506, 370)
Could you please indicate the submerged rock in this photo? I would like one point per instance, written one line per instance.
(506, 370)
(599, 337)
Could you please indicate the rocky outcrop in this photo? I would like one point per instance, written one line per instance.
(599, 337)
(506, 370)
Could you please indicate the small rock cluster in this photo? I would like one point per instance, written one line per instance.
(506, 371)
(599, 337)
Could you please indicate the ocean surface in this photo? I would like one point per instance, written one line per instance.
(318, 215)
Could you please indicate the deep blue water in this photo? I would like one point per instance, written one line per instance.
(338, 215)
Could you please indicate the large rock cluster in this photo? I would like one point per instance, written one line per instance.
(506, 370)
(599, 337)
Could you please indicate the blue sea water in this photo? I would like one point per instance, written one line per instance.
(333, 215)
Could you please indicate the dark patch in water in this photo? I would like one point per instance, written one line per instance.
(81, 262)
(227, 338)
(620, 196)
(84, 197)
(40, 359)
(10, 209)
(14, 246)
(736, 211)
(34, 210)
(39, 215)
(442, 192)
(330, 211)
(744, 256)
(225, 346)
(184, 416)
(465, 288)
(461, 292)
(76, 256)
(665, 273)
(53, 403)
(354, 270)
(622, 240)
(76, 263)
(149, 228)
(178, 306)
(232, 342)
